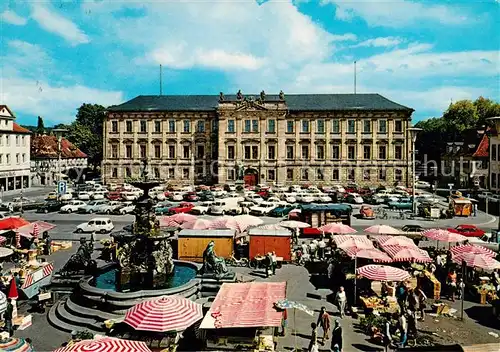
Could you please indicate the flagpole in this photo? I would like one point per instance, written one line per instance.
(355, 278)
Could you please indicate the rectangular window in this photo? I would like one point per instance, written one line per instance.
(157, 126)
(255, 126)
(171, 173)
(335, 175)
(398, 126)
(114, 172)
(290, 152)
(351, 126)
(255, 152)
(305, 152)
(200, 172)
(156, 172)
(320, 152)
(351, 174)
(305, 126)
(7, 141)
(157, 151)
(24, 158)
(320, 126)
(367, 152)
(128, 151)
(367, 126)
(114, 151)
(248, 152)
(128, 172)
(1, 159)
(185, 173)
(289, 127)
(382, 152)
(305, 175)
(231, 174)
(114, 126)
(336, 152)
(493, 152)
(271, 126)
(8, 159)
(382, 175)
(230, 126)
(142, 151)
(271, 152)
(171, 152)
(230, 152)
(319, 174)
(200, 152)
(398, 175)
(493, 180)
(336, 126)
(144, 126)
(24, 141)
(128, 126)
(398, 152)
(271, 175)
(351, 152)
(200, 126)
(171, 126)
(289, 174)
(185, 152)
(18, 160)
(186, 127)
(1, 140)
(382, 126)
(248, 125)
(366, 175)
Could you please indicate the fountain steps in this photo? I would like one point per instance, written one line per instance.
(59, 318)
(86, 311)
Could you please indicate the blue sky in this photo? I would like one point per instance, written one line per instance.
(57, 55)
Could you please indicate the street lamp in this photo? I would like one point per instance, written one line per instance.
(413, 134)
(58, 132)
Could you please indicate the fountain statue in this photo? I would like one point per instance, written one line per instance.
(144, 255)
(212, 264)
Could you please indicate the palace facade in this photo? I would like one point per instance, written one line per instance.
(293, 139)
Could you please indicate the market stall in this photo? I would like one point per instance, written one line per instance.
(461, 206)
(192, 243)
(243, 317)
(263, 241)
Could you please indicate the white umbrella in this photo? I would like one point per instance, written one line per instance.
(293, 224)
(5, 252)
(382, 230)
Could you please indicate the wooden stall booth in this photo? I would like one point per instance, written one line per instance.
(192, 243)
(461, 206)
(321, 214)
(264, 241)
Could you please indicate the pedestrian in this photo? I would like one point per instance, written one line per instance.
(17, 280)
(403, 329)
(341, 300)
(268, 264)
(321, 248)
(324, 323)
(313, 342)
(305, 248)
(412, 325)
(313, 248)
(387, 339)
(7, 317)
(422, 298)
(413, 300)
(47, 250)
(284, 322)
(452, 285)
(274, 262)
(401, 296)
(337, 336)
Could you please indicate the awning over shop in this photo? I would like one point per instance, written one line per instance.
(12, 223)
(245, 305)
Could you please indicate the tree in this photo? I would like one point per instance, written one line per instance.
(460, 116)
(486, 108)
(40, 128)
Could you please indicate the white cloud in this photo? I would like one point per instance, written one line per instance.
(380, 42)
(11, 17)
(396, 13)
(53, 22)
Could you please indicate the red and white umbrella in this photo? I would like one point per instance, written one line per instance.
(400, 241)
(369, 253)
(443, 235)
(18, 239)
(383, 273)
(292, 224)
(168, 313)
(474, 249)
(106, 344)
(198, 224)
(407, 254)
(166, 221)
(224, 222)
(349, 241)
(29, 229)
(181, 218)
(271, 227)
(477, 261)
(339, 228)
(245, 221)
(36, 230)
(383, 230)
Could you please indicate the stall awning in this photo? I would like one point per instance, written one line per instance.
(245, 305)
(27, 230)
(12, 222)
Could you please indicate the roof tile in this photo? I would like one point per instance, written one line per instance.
(45, 146)
(20, 129)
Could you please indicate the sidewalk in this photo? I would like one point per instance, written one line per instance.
(27, 192)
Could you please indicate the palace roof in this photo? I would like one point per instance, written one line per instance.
(19, 129)
(294, 102)
(45, 146)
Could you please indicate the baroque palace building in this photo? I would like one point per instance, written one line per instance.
(293, 139)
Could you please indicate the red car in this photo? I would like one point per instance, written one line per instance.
(467, 230)
(184, 207)
(114, 196)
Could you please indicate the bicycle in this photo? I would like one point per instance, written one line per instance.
(242, 262)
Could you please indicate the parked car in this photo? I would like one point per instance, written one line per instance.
(422, 184)
(282, 210)
(49, 206)
(84, 195)
(412, 228)
(110, 207)
(125, 208)
(163, 208)
(253, 197)
(468, 230)
(94, 206)
(98, 195)
(19, 203)
(191, 197)
(101, 225)
(184, 207)
(322, 198)
(401, 204)
(206, 196)
(201, 208)
(51, 196)
(263, 208)
(222, 207)
(353, 198)
(73, 206)
(114, 195)
(304, 197)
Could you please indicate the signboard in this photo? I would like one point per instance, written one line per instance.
(61, 187)
(450, 185)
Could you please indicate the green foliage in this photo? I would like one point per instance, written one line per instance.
(461, 116)
(84, 335)
(372, 321)
(40, 128)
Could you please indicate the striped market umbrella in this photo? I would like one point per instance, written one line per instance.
(383, 273)
(181, 218)
(166, 221)
(168, 313)
(337, 228)
(36, 230)
(476, 261)
(370, 253)
(106, 344)
(383, 230)
(15, 344)
(400, 241)
(443, 235)
(407, 254)
(474, 249)
(198, 224)
(224, 222)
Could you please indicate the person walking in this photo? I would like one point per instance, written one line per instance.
(324, 323)
(422, 298)
(387, 339)
(313, 342)
(412, 325)
(401, 296)
(7, 317)
(284, 322)
(337, 336)
(452, 284)
(341, 300)
(321, 248)
(403, 329)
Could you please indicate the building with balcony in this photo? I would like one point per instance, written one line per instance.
(46, 166)
(293, 139)
(14, 152)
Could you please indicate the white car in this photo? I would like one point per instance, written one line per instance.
(273, 200)
(322, 198)
(304, 197)
(201, 208)
(160, 196)
(354, 198)
(290, 199)
(101, 225)
(221, 208)
(66, 196)
(262, 208)
(125, 209)
(129, 195)
(254, 198)
(84, 195)
(177, 197)
(110, 207)
(98, 195)
(73, 207)
(422, 184)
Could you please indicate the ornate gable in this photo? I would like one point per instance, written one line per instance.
(249, 105)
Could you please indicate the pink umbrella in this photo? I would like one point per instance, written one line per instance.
(477, 261)
(181, 218)
(469, 248)
(383, 230)
(106, 344)
(224, 222)
(400, 241)
(353, 241)
(443, 235)
(198, 224)
(407, 254)
(246, 221)
(166, 221)
(383, 273)
(271, 227)
(373, 254)
(337, 228)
